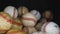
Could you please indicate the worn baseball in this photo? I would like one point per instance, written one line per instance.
(22, 10)
(17, 24)
(12, 11)
(5, 22)
(29, 30)
(36, 14)
(40, 24)
(29, 19)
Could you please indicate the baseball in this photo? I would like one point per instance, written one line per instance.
(29, 20)
(5, 22)
(50, 28)
(29, 30)
(22, 10)
(36, 14)
(16, 31)
(12, 11)
(40, 24)
(17, 24)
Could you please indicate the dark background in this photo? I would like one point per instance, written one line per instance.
(35, 4)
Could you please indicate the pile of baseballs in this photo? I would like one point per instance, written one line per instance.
(23, 21)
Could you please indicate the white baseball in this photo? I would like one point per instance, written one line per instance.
(36, 13)
(29, 19)
(12, 11)
(51, 28)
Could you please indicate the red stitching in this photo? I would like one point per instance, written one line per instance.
(11, 21)
(18, 23)
(44, 28)
(27, 30)
(14, 12)
(30, 19)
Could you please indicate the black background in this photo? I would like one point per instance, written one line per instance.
(35, 4)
